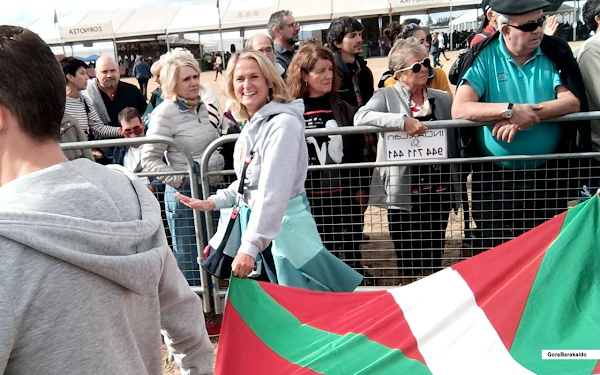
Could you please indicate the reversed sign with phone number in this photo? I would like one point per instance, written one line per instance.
(430, 145)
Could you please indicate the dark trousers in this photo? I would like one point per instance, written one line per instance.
(340, 223)
(143, 82)
(419, 235)
(506, 203)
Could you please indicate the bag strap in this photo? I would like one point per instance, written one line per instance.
(249, 158)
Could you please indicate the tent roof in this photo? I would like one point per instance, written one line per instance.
(202, 15)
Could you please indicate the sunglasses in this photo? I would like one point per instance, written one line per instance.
(416, 67)
(137, 130)
(530, 26)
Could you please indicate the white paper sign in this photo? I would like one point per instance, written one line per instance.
(431, 145)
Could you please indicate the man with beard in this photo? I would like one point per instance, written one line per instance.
(518, 78)
(345, 38)
(283, 29)
(110, 96)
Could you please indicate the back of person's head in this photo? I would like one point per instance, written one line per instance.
(402, 50)
(303, 63)
(408, 30)
(70, 65)
(591, 10)
(278, 91)
(177, 58)
(128, 114)
(277, 19)
(339, 28)
(392, 31)
(32, 85)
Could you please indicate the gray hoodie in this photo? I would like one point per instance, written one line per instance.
(276, 174)
(87, 279)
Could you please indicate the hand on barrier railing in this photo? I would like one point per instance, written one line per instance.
(505, 131)
(413, 126)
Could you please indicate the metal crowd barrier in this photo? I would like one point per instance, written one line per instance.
(200, 283)
(460, 207)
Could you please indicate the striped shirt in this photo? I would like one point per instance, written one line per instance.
(88, 118)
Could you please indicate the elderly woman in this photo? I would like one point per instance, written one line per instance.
(184, 117)
(335, 196)
(281, 229)
(437, 78)
(418, 198)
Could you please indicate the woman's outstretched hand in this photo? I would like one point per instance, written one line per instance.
(196, 204)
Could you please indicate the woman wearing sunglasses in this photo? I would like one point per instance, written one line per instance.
(418, 198)
(436, 77)
(184, 117)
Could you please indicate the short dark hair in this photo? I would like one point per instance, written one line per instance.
(128, 114)
(339, 28)
(70, 65)
(32, 86)
(591, 9)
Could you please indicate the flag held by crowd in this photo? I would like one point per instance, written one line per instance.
(491, 314)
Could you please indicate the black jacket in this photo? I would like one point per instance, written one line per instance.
(365, 81)
(576, 135)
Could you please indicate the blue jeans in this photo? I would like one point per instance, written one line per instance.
(436, 59)
(183, 233)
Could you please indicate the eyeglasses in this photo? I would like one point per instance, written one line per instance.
(530, 26)
(292, 25)
(137, 130)
(416, 67)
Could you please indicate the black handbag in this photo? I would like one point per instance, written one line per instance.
(218, 261)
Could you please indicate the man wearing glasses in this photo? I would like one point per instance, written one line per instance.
(283, 29)
(518, 78)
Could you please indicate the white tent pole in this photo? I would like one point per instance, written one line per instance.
(221, 37)
(167, 40)
(451, 29)
(115, 49)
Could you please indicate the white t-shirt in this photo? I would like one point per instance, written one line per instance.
(132, 159)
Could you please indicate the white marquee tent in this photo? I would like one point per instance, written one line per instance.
(202, 16)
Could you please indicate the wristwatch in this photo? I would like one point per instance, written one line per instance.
(508, 112)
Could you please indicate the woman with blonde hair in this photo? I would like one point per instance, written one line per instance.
(280, 229)
(335, 196)
(184, 117)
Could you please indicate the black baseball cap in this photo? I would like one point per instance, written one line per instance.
(517, 7)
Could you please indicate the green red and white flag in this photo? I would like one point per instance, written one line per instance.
(491, 314)
(55, 17)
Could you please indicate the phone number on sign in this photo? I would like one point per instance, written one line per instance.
(416, 153)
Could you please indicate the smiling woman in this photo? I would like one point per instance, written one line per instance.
(272, 152)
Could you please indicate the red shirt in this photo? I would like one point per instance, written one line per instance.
(489, 30)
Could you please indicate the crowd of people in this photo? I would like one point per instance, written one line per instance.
(98, 236)
(336, 87)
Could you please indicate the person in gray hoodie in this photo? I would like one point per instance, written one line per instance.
(87, 280)
(281, 228)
